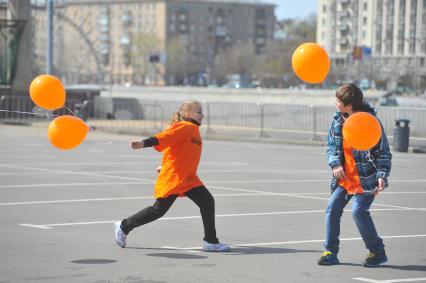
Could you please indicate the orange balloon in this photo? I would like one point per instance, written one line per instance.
(47, 92)
(67, 132)
(310, 63)
(362, 131)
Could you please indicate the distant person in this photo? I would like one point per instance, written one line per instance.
(181, 146)
(357, 175)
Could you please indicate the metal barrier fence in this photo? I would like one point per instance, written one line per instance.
(19, 109)
(234, 120)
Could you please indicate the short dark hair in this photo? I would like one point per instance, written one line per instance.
(350, 94)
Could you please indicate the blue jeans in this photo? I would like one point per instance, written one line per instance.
(360, 205)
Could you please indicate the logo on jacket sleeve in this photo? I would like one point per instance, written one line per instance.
(196, 141)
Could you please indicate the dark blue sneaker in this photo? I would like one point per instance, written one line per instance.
(375, 259)
(328, 258)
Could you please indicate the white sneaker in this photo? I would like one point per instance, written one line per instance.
(219, 247)
(120, 237)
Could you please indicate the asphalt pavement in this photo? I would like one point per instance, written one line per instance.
(57, 210)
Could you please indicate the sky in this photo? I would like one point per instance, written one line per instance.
(294, 8)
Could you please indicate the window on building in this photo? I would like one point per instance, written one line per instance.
(364, 20)
(365, 6)
(324, 8)
(400, 48)
(389, 47)
(378, 48)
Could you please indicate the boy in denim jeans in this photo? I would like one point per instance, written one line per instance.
(357, 175)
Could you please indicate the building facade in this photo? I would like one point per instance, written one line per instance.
(384, 40)
(152, 42)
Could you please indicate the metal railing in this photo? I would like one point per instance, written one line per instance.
(225, 119)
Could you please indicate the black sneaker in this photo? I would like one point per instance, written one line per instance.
(328, 258)
(375, 259)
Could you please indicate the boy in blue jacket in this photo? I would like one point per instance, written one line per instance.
(357, 175)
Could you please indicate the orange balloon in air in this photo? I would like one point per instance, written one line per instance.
(67, 132)
(47, 92)
(310, 63)
(362, 131)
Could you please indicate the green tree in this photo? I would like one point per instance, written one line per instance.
(274, 67)
(144, 44)
(178, 65)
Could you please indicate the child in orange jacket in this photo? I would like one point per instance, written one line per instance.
(181, 146)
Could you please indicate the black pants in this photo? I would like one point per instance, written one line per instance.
(200, 195)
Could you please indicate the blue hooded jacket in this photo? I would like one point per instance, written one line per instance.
(371, 164)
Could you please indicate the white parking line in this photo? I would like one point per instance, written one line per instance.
(307, 197)
(143, 181)
(104, 154)
(58, 185)
(77, 173)
(102, 199)
(199, 171)
(115, 163)
(300, 242)
(390, 280)
(268, 181)
(151, 197)
(198, 216)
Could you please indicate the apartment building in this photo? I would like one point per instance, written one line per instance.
(153, 42)
(385, 39)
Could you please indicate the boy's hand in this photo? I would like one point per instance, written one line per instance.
(338, 172)
(136, 144)
(380, 185)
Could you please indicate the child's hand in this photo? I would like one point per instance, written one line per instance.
(338, 172)
(136, 144)
(380, 185)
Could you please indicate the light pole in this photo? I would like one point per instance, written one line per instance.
(50, 11)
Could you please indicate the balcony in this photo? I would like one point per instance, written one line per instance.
(343, 41)
(343, 27)
(344, 14)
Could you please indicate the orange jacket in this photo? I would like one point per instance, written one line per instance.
(351, 182)
(181, 147)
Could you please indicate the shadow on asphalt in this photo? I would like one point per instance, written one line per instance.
(396, 267)
(239, 250)
(242, 250)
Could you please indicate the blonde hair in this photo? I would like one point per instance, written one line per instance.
(185, 107)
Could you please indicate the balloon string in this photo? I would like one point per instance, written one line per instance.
(70, 111)
(29, 113)
(90, 127)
